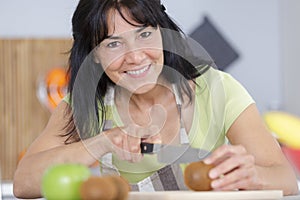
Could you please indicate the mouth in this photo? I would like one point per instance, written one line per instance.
(138, 72)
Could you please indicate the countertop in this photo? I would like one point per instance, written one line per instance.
(7, 188)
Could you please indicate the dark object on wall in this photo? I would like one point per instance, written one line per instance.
(215, 44)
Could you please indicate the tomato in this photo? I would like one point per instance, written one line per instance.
(63, 181)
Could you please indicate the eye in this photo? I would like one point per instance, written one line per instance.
(113, 44)
(145, 35)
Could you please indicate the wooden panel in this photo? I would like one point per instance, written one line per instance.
(22, 115)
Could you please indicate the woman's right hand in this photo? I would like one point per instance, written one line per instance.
(125, 146)
(125, 142)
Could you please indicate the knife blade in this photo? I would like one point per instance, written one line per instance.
(166, 153)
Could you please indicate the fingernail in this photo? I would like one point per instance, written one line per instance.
(134, 148)
(215, 184)
(212, 174)
(157, 140)
(207, 161)
(117, 140)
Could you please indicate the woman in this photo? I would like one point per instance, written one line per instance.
(134, 77)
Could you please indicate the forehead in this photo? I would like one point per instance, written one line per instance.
(118, 25)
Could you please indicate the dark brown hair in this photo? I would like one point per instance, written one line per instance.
(90, 27)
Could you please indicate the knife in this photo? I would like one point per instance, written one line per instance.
(167, 153)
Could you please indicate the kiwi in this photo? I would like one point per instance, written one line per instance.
(196, 176)
(122, 186)
(98, 188)
(104, 188)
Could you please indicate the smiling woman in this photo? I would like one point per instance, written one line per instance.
(135, 77)
(132, 57)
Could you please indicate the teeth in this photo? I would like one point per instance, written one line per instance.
(137, 72)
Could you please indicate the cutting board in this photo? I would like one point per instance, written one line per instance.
(213, 195)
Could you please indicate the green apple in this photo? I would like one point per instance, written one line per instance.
(63, 181)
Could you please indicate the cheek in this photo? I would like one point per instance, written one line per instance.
(157, 56)
(110, 63)
(106, 59)
(112, 70)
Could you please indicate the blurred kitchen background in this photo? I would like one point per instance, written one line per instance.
(263, 38)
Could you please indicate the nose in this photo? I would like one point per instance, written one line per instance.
(135, 56)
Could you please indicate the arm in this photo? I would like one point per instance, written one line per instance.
(49, 149)
(254, 160)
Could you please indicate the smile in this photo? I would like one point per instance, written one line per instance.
(139, 71)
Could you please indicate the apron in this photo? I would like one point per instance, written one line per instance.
(167, 178)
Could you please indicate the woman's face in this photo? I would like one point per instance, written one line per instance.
(131, 56)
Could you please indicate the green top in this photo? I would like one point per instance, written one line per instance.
(219, 100)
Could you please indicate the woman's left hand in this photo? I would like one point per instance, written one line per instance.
(234, 169)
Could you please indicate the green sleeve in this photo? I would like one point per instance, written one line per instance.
(67, 98)
(237, 99)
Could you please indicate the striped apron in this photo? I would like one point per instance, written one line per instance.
(167, 178)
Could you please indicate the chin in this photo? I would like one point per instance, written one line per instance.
(143, 88)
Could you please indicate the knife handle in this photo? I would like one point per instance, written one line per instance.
(146, 147)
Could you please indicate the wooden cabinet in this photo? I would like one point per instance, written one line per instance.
(23, 117)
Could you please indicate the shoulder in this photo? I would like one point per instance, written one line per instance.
(225, 95)
(214, 79)
(214, 75)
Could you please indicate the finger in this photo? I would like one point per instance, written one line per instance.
(133, 144)
(134, 147)
(125, 147)
(131, 149)
(113, 137)
(117, 140)
(223, 152)
(214, 157)
(136, 157)
(156, 139)
(119, 152)
(231, 178)
(147, 134)
(239, 184)
(231, 163)
(118, 143)
(137, 131)
(223, 168)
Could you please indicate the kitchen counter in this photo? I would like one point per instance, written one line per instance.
(7, 194)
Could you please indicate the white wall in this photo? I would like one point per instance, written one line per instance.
(36, 18)
(290, 30)
(252, 26)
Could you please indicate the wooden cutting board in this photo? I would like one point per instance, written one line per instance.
(190, 195)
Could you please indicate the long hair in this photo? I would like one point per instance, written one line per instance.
(90, 28)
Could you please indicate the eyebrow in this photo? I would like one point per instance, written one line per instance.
(111, 37)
